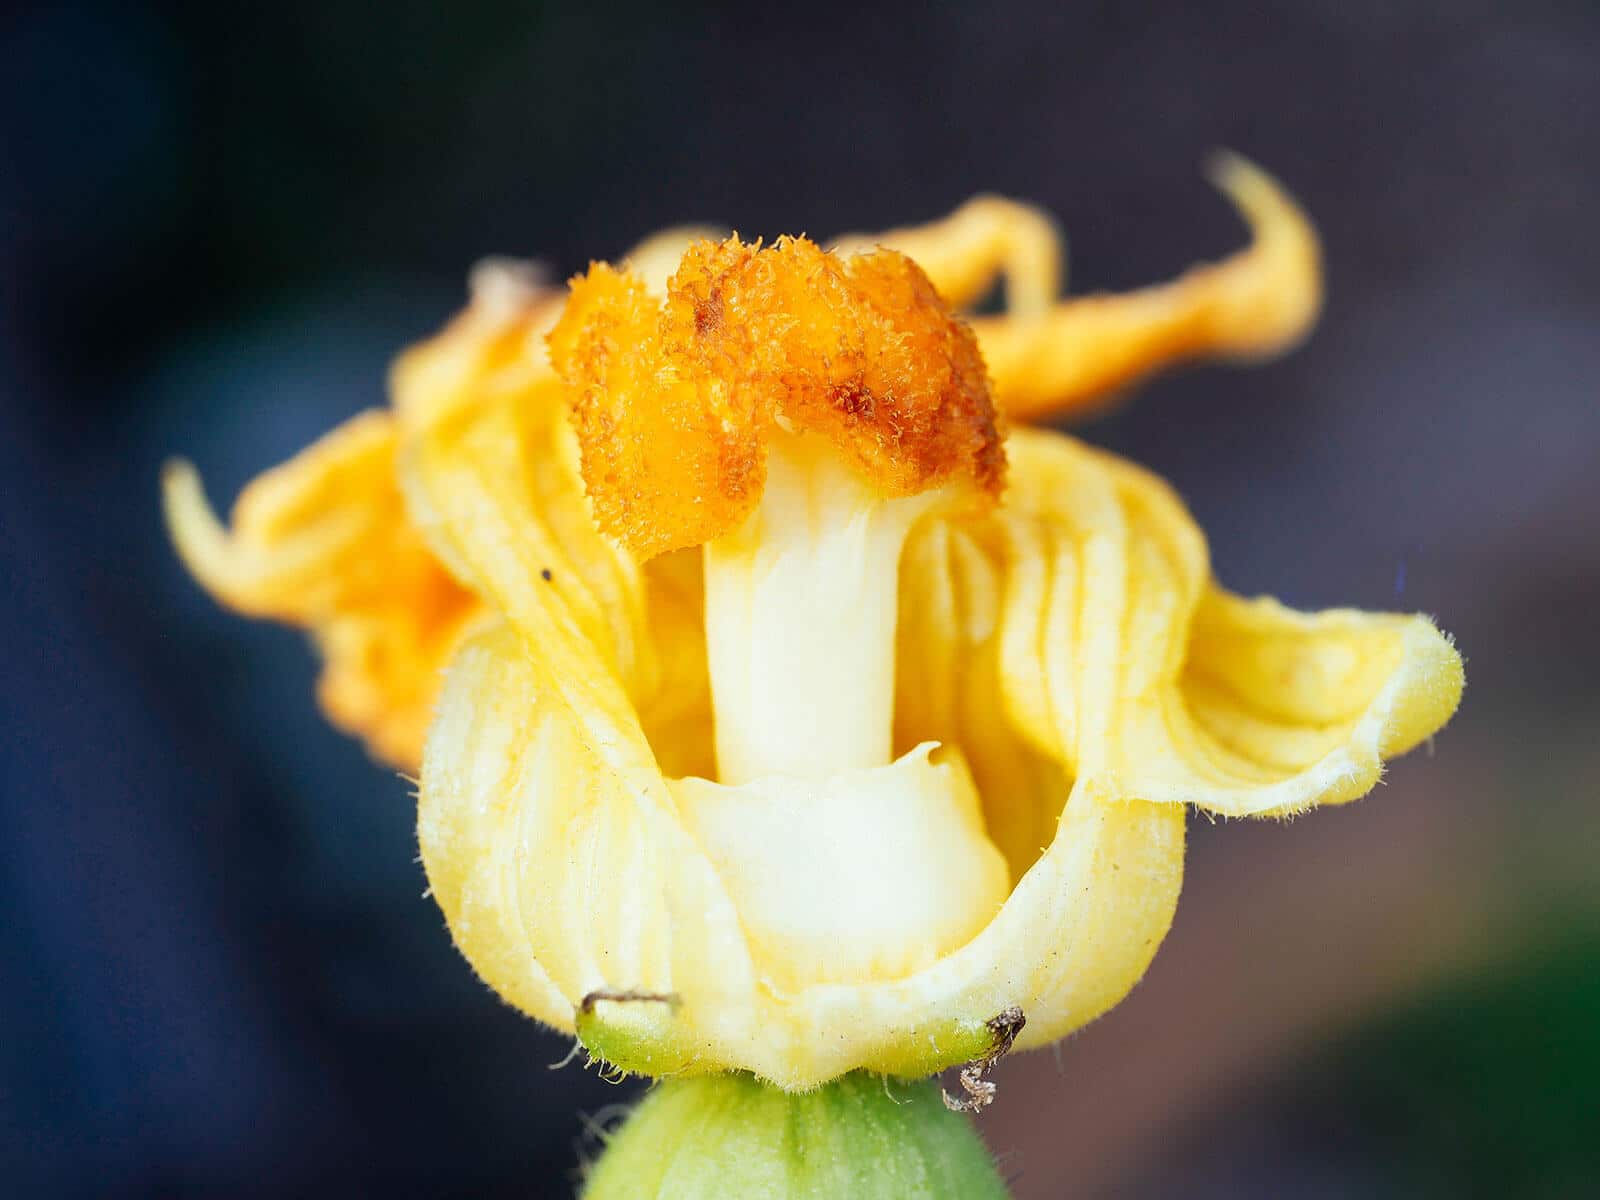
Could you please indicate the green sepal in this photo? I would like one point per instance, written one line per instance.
(633, 1033)
(638, 1033)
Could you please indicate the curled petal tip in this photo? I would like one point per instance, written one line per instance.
(1261, 301)
(1279, 311)
(174, 469)
(507, 284)
(196, 531)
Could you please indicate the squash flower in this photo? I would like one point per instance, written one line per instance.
(803, 711)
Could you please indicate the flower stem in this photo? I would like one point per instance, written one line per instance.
(731, 1135)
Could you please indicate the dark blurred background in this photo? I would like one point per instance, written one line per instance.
(218, 975)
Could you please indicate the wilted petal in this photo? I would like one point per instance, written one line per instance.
(324, 542)
(1120, 659)
(1277, 711)
(552, 845)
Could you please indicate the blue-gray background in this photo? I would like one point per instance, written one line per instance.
(218, 976)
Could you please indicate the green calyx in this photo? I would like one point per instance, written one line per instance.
(861, 1136)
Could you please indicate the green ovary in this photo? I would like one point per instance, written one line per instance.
(729, 1135)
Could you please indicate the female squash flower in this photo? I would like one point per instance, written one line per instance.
(800, 717)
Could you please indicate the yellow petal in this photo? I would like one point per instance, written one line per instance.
(1277, 711)
(989, 613)
(323, 542)
(1259, 303)
(1120, 659)
(948, 685)
(554, 847)
(344, 542)
(1022, 629)
(1102, 567)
